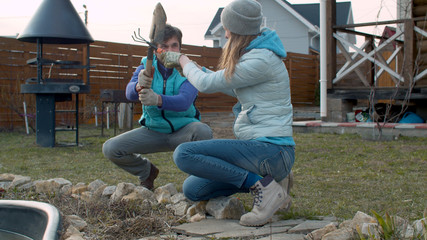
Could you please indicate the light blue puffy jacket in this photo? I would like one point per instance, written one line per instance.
(261, 85)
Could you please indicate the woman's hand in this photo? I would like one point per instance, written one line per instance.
(170, 59)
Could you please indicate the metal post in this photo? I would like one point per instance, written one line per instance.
(26, 118)
(45, 120)
(323, 60)
(88, 64)
(39, 60)
(96, 117)
(102, 119)
(77, 119)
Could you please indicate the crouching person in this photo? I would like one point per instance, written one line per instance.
(169, 116)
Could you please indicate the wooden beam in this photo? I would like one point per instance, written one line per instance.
(367, 24)
(408, 58)
(369, 56)
(380, 93)
(376, 23)
(350, 61)
(380, 58)
(419, 11)
(419, 2)
(421, 24)
(389, 60)
(370, 73)
(364, 34)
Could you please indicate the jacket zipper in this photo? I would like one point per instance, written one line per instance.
(163, 111)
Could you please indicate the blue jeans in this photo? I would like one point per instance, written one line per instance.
(219, 167)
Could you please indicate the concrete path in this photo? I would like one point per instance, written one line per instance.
(210, 228)
(367, 130)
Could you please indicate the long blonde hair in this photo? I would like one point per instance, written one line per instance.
(232, 51)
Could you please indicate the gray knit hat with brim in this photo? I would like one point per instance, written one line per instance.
(243, 17)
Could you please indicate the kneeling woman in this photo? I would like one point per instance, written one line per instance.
(262, 155)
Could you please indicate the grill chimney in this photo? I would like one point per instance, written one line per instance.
(56, 22)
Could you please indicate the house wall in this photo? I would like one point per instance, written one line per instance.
(218, 38)
(314, 41)
(222, 40)
(292, 32)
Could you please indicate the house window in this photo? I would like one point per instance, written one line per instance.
(216, 43)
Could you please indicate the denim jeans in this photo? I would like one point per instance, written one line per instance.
(219, 167)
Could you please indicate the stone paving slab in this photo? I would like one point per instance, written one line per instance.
(206, 227)
(284, 236)
(309, 226)
(224, 228)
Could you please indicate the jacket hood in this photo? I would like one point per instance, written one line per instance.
(268, 40)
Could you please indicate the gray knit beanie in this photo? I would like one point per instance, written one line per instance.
(243, 17)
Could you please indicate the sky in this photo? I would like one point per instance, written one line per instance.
(115, 21)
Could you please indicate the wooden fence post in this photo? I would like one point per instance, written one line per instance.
(408, 64)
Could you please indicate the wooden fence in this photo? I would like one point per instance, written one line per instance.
(304, 76)
(112, 65)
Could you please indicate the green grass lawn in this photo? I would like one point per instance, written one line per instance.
(334, 174)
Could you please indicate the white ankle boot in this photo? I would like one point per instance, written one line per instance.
(269, 196)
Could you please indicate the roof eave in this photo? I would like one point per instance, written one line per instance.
(214, 30)
(298, 16)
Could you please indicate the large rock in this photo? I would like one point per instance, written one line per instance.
(170, 187)
(358, 220)
(79, 188)
(93, 186)
(180, 208)
(87, 196)
(164, 193)
(76, 222)
(75, 237)
(108, 191)
(98, 191)
(197, 211)
(420, 227)
(225, 208)
(71, 230)
(51, 185)
(178, 198)
(122, 190)
(197, 217)
(401, 226)
(19, 181)
(140, 193)
(7, 177)
(341, 234)
(369, 230)
(319, 233)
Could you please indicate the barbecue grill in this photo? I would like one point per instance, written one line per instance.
(55, 22)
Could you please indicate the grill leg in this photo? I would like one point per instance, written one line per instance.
(45, 120)
(77, 120)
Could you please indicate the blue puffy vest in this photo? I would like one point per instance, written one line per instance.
(166, 121)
